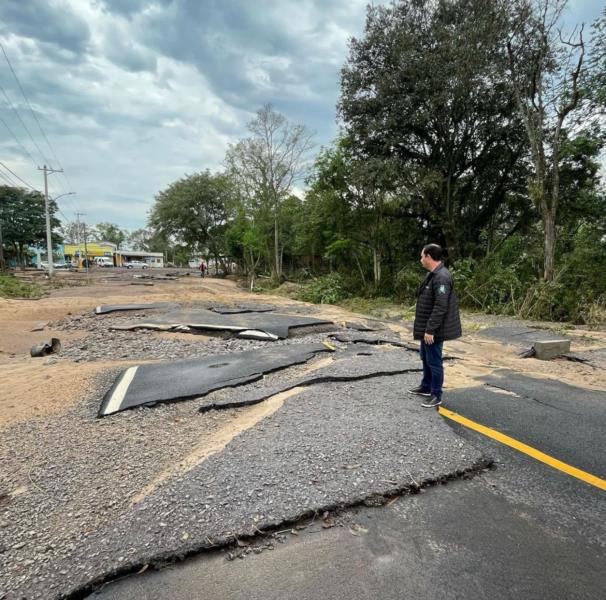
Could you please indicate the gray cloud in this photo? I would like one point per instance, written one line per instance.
(129, 7)
(52, 22)
(120, 49)
(135, 93)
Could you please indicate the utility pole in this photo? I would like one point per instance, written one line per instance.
(2, 265)
(78, 233)
(85, 249)
(49, 240)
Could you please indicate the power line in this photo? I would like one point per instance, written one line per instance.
(17, 140)
(17, 176)
(58, 162)
(7, 180)
(10, 66)
(10, 104)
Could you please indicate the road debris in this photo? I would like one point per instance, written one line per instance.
(46, 348)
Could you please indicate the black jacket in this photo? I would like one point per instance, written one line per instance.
(437, 307)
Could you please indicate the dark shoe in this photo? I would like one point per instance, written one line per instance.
(420, 391)
(433, 402)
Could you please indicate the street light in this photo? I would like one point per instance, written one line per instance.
(49, 245)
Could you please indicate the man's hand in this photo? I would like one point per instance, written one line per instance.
(428, 339)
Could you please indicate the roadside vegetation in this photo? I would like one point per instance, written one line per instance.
(478, 126)
(11, 287)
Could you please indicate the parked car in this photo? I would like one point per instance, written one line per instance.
(136, 264)
(104, 261)
(56, 265)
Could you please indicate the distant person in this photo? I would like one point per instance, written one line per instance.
(202, 269)
(436, 320)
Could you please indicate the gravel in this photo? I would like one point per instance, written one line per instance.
(102, 343)
(67, 481)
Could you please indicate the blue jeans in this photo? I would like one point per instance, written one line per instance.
(433, 369)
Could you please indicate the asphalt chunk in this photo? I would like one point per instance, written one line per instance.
(274, 324)
(110, 308)
(149, 384)
(333, 445)
(346, 367)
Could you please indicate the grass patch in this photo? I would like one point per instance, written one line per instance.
(380, 307)
(469, 327)
(11, 287)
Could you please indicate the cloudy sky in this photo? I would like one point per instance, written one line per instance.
(133, 94)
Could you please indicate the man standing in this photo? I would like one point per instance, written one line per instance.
(436, 320)
(202, 268)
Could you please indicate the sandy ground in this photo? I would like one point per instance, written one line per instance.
(34, 387)
(58, 485)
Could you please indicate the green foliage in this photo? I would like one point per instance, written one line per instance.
(110, 232)
(194, 212)
(425, 93)
(22, 215)
(328, 289)
(596, 80)
(11, 287)
(500, 282)
(264, 167)
(406, 283)
(507, 282)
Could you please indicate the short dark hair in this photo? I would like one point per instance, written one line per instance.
(434, 251)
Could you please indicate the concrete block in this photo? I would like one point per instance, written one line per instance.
(547, 349)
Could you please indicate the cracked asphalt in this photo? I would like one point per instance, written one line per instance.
(329, 446)
(309, 449)
(519, 530)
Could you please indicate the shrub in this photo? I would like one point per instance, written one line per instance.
(11, 287)
(328, 289)
(594, 313)
(406, 283)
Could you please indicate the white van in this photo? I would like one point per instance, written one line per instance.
(104, 261)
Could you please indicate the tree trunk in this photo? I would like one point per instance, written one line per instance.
(376, 263)
(252, 271)
(452, 241)
(20, 255)
(360, 269)
(278, 266)
(2, 262)
(550, 241)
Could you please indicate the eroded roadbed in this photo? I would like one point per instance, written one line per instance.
(326, 446)
(456, 541)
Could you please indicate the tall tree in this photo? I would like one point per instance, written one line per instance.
(110, 232)
(546, 70)
(140, 239)
(72, 231)
(22, 214)
(266, 166)
(195, 211)
(426, 92)
(597, 63)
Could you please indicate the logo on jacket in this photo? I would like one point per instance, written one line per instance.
(442, 289)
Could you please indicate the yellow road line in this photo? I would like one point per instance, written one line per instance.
(521, 447)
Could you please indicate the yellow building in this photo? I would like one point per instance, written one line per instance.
(76, 253)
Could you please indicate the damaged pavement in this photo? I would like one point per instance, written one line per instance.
(294, 434)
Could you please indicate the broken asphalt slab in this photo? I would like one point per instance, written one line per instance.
(372, 338)
(563, 421)
(595, 357)
(183, 379)
(336, 445)
(379, 339)
(109, 308)
(412, 549)
(519, 335)
(236, 310)
(344, 367)
(270, 326)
